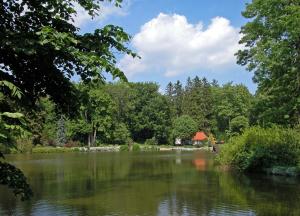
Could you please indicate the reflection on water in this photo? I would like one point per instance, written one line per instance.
(160, 183)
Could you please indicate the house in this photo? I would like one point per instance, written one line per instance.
(199, 138)
(177, 141)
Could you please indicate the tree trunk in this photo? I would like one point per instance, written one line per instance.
(89, 141)
(94, 137)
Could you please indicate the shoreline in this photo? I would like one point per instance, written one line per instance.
(111, 148)
(143, 148)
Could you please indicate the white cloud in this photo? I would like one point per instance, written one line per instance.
(170, 44)
(106, 9)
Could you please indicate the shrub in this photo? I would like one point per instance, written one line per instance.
(151, 141)
(4, 149)
(72, 143)
(24, 145)
(136, 147)
(124, 148)
(260, 148)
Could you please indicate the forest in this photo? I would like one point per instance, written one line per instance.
(116, 113)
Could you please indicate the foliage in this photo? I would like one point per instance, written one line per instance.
(41, 48)
(184, 127)
(230, 102)
(260, 148)
(151, 141)
(96, 115)
(239, 123)
(12, 123)
(15, 180)
(271, 49)
(61, 132)
(124, 148)
(47, 150)
(143, 109)
(197, 102)
(136, 147)
(121, 134)
(72, 143)
(24, 145)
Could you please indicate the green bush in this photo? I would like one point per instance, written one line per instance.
(151, 141)
(124, 148)
(260, 148)
(4, 149)
(24, 145)
(136, 147)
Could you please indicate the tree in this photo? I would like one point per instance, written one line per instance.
(120, 92)
(184, 127)
(231, 101)
(170, 91)
(239, 123)
(138, 120)
(121, 134)
(178, 98)
(96, 115)
(197, 102)
(12, 123)
(272, 50)
(41, 48)
(61, 132)
(157, 116)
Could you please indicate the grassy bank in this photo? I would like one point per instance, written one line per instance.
(273, 150)
(53, 150)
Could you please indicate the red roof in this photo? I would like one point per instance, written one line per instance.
(200, 136)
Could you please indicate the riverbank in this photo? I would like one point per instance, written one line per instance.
(116, 148)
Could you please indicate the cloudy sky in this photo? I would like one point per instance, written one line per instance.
(178, 38)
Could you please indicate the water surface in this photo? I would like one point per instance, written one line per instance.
(158, 183)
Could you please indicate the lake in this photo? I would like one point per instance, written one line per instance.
(148, 183)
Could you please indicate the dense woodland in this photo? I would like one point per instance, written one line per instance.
(41, 50)
(116, 113)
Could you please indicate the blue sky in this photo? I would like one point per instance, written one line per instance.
(179, 38)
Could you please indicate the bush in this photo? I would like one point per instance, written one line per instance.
(151, 141)
(24, 145)
(124, 148)
(4, 149)
(136, 147)
(72, 143)
(261, 148)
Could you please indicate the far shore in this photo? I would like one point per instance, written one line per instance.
(155, 148)
(110, 148)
